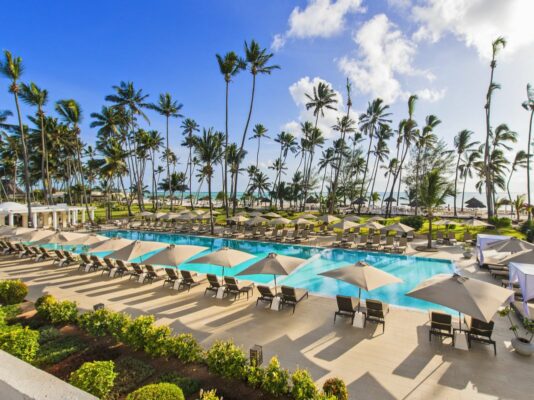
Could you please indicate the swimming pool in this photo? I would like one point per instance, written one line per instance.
(412, 270)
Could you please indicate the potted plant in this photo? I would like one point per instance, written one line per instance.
(468, 251)
(522, 345)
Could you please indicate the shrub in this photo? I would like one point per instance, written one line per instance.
(415, 222)
(9, 313)
(12, 292)
(48, 333)
(53, 351)
(226, 359)
(303, 387)
(254, 375)
(209, 395)
(137, 331)
(95, 377)
(57, 312)
(275, 379)
(22, 342)
(502, 222)
(189, 386)
(185, 347)
(157, 391)
(337, 388)
(104, 322)
(130, 371)
(157, 341)
(528, 229)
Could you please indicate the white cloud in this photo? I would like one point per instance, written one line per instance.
(386, 55)
(477, 22)
(431, 95)
(298, 91)
(400, 4)
(320, 18)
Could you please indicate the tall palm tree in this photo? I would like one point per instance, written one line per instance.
(189, 127)
(256, 59)
(370, 121)
(133, 101)
(71, 113)
(529, 106)
(260, 182)
(229, 66)
(33, 95)
(323, 98)
(169, 108)
(259, 132)
(209, 149)
(433, 191)
(12, 68)
(520, 161)
(466, 169)
(154, 141)
(497, 44)
(519, 204)
(462, 144)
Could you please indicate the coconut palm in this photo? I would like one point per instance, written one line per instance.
(259, 132)
(519, 204)
(323, 98)
(345, 125)
(229, 66)
(12, 68)
(153, 143)
(209, 150)
(260, 183)
(462, 144)
(256, 60)
(35, 96)
(520, 161)
(189, 127)
(529, 106)
(71, 113)
(466, 168)
(169, 108)
(288, 143)
(433, 191)
(497, 44)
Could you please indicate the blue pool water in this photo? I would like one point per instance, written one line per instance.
(412, 270)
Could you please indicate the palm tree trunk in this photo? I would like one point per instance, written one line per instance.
(429, 238)
(385, 192)
(212, 228)
(529, 144)
(82, 179)
(25, 159)
(508, 190)
(487, 173)
(234, 202)
(365, 170)
(43, 157)
(456, 183)
(463, 193)
(225, 180)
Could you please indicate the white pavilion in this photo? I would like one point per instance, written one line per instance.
(56, 216)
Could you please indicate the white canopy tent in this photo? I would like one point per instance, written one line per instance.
(524, 275)
(483, 240)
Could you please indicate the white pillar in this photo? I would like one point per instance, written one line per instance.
(54, 220)
(25, 220)
(92, 211)
(69, 217)
(34, 220)
(11, 220)
(64, 218)
(83, 216)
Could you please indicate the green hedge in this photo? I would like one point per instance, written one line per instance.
(12, 292)
(56, 312)
(22, 342)
(157, 391)
(96, 377)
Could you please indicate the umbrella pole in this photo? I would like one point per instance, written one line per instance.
(222, 278)
(275, 289)
(359, 298)
(460, 319)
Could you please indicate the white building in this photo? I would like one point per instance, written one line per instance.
(57, 216)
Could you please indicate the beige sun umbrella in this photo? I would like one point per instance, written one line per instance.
(352, 218)
(224, 257)
(344, 225)
(510, 245)
(445, 222)
(170, 216)
(280, 221)
(159, 215)
(197, 212)
(363, 276)
(469, 296)
(188, 216)
(174, 255)
(524, 257)
(476, 223)
(376, 218)
(274, 264)
(88, 240)
(372, 225)
(241, 214)
(256, 221)
(301, 221)
(14, 230)
(308, 216)
(146, 214)
(112, 244)
(136, 249)
(328, 219)
(33, 236)
(61, 238)
(238, 219)
(272, 215)
(255, 214)
(398, 227)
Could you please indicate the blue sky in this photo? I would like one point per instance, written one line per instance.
(389, 48)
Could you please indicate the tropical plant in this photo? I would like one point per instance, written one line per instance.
(97, 377)
(529, 106)
(157, 391)
(462, 144)
(12, 292)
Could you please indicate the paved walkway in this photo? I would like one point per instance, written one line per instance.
(397, 364)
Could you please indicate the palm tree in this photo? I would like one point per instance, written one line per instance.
(154, 141)
(498, 44)
(370, 121)
(256, 59)
(529, 106)
(208, 148)
(288, 143)
(12, 69)
(323, 98)
(260, 182)
(520, 161)
(462, 144)
(229, 65)
(259, 132)
(519, 204)
(189, 127)
(169, 108)
(33, 95)
(433, 191)
(466, 169)
(71, 113)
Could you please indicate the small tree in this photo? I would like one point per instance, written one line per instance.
(433, 191)
(527, 323)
